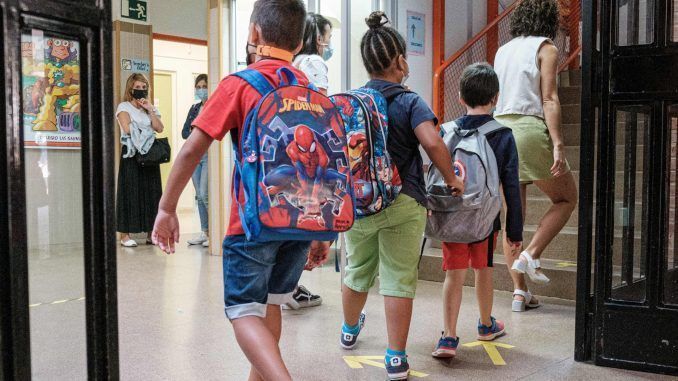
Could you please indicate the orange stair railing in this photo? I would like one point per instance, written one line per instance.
(481, 48)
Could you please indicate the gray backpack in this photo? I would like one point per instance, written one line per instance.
(469, 218)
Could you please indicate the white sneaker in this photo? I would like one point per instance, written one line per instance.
(198, 240)
(206, 243)
(128, 243)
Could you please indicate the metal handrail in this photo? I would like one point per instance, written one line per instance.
(566, 64)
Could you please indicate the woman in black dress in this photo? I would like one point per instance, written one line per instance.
(139, 188)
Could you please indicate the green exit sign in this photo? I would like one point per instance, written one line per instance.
(134, 9)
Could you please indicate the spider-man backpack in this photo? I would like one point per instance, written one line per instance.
(292, 162)
(376, 182)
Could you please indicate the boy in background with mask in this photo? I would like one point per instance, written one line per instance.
(258, 276)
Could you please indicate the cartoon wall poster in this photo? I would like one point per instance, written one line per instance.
(51, 90)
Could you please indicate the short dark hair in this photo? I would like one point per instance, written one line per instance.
(535, 18)
(200, 77)
(381, 44)
(315, 26)
(479, 84)
(281, 22)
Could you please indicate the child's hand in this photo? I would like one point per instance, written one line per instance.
(515, 247)
(166, 231)
(317, 254)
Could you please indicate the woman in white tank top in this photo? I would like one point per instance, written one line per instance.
(528, 103)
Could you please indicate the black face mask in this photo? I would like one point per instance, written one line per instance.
(139, 94)
(249, 56)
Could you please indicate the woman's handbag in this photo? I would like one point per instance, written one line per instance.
(159, 153)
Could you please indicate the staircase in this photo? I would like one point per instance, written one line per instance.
(559, 259)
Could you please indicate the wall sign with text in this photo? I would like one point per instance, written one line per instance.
(416, 33)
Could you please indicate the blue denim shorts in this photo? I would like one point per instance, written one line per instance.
(260, 273)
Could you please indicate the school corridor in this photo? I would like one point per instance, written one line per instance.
(92, 87)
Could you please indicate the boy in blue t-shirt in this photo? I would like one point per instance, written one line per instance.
(479, 89)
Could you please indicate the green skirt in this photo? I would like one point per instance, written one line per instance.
(535, 148)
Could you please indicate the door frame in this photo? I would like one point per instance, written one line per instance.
(608, 83)
(90, 23)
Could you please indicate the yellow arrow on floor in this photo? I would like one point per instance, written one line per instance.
(357, 362)
(491, 349)
(566, 264)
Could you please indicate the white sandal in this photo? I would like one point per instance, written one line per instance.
(530, 267)
(128, 243)
(522, 305)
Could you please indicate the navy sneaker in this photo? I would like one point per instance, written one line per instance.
(491, 332)
(446, 348)
(397, 367)
(350, 339)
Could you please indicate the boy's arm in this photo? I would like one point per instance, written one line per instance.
(435, 148)
(166, 229)
(510, 181)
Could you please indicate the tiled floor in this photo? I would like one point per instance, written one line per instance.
(172, 327)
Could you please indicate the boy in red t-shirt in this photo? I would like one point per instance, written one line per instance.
(258, 276)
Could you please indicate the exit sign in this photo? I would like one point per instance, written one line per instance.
(134, 9)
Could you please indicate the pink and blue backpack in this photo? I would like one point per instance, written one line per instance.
(376, 182)
(292, 163)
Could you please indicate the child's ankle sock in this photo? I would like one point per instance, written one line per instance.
(390, 353)
(352, 329)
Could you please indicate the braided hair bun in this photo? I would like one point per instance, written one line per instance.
(376, 20)
(381, 45)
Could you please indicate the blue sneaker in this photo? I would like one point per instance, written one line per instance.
(397, 367)
(489, 333)
(446, 348)
(350, 339)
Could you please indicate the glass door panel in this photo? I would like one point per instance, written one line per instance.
(635, 22)
(359, 11)
(670, 265)
(629, 247)
(51, 103)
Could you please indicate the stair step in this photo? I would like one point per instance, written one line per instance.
(574, 157)
(569, 95)
(563, 275)
(571, 114)
(534, 192)
(563, 248)
(538, 206)
(571, 134)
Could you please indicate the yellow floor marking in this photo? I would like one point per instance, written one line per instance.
(491, 349)
(356, 362)
(59, 301)
(34, 305)
(566, 264)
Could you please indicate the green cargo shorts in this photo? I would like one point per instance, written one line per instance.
(387, 244)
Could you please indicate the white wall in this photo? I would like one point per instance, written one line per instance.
(421, 67)
(184, 62)
(183, 18)
(463, 20)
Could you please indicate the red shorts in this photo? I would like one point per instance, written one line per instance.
(459, 256)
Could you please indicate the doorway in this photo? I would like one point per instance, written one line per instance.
(627, 276)
(57, 268)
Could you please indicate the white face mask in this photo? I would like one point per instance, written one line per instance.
(405, 78)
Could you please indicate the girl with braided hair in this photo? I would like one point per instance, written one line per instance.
(387, 243)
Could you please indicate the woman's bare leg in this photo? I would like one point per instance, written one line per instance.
(562, 191)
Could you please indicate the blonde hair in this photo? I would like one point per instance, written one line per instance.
(136, 77)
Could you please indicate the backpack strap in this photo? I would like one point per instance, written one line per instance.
(392, 92)
(256, 80)
(491, 127)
